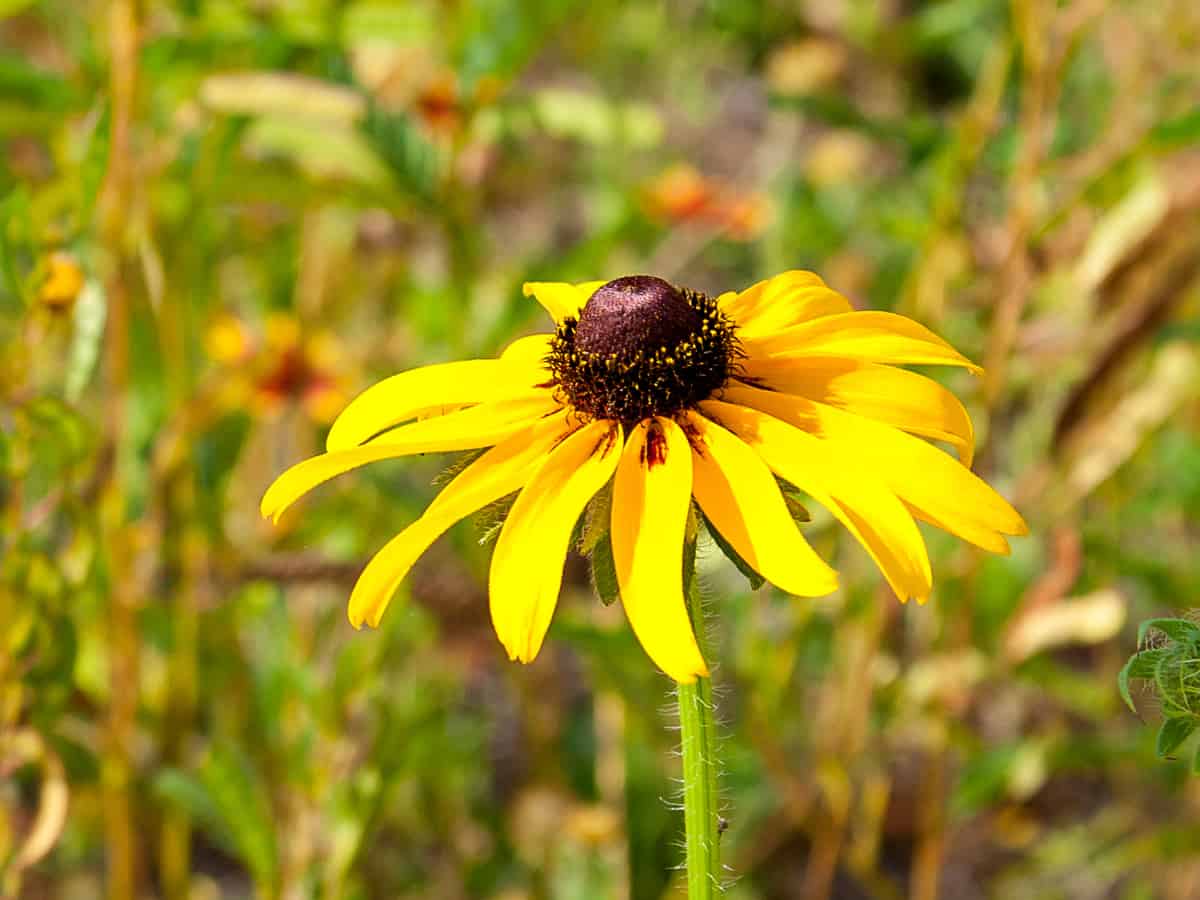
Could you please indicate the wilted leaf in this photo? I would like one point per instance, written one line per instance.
(1084, 620)
(27, 746)
(328, 152)
(1126, 224)
(280, 94)
(90, 312)
(596, 120)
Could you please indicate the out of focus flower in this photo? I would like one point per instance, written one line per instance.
(281, 367)
(805, 66)
(681, 194)
(63, 282)
(438, 104)
(664, 395)
(837, 157)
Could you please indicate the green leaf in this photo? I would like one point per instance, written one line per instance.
(1176, 629)
(756, 580)
(243, 809)
(604, 571)
(1196, 761)
(1174, 732)
(1172, 677)
(1140, 665)
(1177, 132)
(12, 7)
(411, 159)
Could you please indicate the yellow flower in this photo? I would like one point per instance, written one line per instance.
(672, 395)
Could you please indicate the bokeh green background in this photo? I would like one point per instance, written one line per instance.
(220, 219)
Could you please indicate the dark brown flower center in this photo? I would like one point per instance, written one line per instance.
(635, 313)
(642, 347)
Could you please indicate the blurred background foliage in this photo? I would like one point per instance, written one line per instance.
(221, 218)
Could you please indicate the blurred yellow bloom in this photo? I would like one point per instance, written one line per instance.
(670, 396)
(285, 365)
(228, 340)
(63, 282)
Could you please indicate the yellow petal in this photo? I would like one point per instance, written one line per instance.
(527, 566)
(499, 472)
(479, 426)
(558, 298)
(849, 490)
(783, 301)
(896, 397)
(872, 336)
(931, 483)
(531, 348)
(651, 498)
(740, 497)
(587, 288)
(417, 391)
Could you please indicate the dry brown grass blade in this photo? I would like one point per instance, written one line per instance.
(1157, 271)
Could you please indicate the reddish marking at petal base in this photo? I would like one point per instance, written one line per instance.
(655, 452)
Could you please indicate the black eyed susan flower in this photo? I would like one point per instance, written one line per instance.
(671, 396)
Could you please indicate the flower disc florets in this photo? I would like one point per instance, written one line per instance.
(642, 347)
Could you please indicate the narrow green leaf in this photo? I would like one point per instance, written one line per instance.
(243, 809)
(412, 160)
(1176, 629)
(1140, 665)
(1177, 132)
(1174, 732)
(1196, 761)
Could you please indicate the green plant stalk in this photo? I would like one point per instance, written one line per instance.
(701, 814)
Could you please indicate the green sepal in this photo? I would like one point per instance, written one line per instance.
(1174, 732)
(747, 570)
(491, 518)
(604, 571)
(690, 535)
(1140, 665)
(460, 462)
(1180, 630)
(792, 498)
(597, 519)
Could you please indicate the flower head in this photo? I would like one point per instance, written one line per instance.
(673, 397)
(286, 365)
